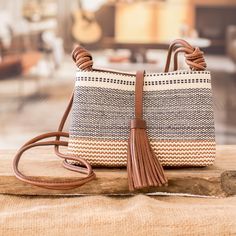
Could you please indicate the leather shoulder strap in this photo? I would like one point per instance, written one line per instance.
(85, 167)
(84, 61)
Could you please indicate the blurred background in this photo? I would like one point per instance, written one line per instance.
(37, 37)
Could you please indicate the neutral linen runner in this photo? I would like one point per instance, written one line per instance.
(98, 215)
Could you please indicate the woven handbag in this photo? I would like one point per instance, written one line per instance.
(140, 120)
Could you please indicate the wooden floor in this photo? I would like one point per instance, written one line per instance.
(217, 180)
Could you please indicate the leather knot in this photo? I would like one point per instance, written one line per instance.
(194, 57)
(82, 58)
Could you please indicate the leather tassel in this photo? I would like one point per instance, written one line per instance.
(143, 166)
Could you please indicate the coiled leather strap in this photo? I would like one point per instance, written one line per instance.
(54, 184)
(83, 61)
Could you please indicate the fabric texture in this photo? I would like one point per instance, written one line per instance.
(99, 215)
(178, 109)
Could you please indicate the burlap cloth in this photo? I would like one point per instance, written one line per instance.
(98, 215)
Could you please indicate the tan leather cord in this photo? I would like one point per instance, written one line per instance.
(53, 184)
(85, 167)
(194, 57)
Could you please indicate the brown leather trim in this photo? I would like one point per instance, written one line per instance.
(138, 124)
(139, 94)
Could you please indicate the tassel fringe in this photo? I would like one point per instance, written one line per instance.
(143, 166)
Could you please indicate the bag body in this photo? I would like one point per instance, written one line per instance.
(178, 109)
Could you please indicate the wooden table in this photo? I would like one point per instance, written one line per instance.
(217, 180)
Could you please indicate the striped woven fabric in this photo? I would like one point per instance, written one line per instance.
(178, 109)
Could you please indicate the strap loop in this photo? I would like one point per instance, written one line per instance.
(194, 57)
(87, 169)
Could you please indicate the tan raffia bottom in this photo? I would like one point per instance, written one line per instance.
(112, 153)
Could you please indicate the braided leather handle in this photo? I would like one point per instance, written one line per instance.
(194, 57)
